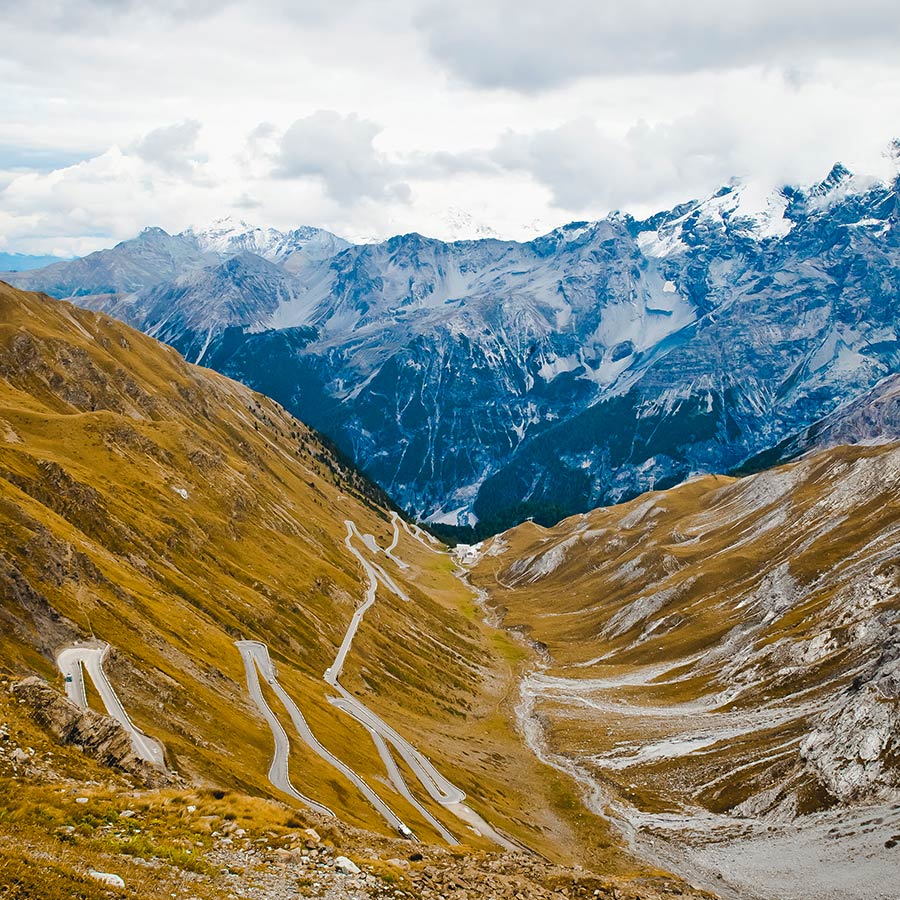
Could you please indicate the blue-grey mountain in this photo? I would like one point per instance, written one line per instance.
(483, 382)
(23, 262)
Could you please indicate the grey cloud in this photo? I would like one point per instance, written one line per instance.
(445, 162)
(108, 15)
(79, 15)
(527, 45)
(530, 45)
(584, 169)
(339, 150)
(172, 147)
(245, 201)
(262, 132)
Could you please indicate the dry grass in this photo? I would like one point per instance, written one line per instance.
(99, 426)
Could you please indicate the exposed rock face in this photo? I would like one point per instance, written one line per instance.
(488, 381)
(852, 748)
(41, 623)
(101, 737)
(873, 418)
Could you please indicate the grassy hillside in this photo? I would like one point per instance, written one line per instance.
(727, 645)
(169, 512)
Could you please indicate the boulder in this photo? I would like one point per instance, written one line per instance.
(100, 737)
(346, 866)
(108, 878)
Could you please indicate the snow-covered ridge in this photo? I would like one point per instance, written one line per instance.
(479, 376)
(228, 236)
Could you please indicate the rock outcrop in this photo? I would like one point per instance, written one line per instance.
(99, 736)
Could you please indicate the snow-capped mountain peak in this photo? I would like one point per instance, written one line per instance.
(761, 208)
(459, 225)
(226, 236)
(225, 233)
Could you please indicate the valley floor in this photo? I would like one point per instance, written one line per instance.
(845, 854)
(848, 853)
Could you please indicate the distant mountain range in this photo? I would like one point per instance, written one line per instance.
(22, 262)
(484, 382)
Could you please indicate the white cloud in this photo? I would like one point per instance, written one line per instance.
(339, 150)
(60, 210)
(586, 169)
(379, 116)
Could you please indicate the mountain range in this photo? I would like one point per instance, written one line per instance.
(484, 382)
(227, 659)
(22, 262)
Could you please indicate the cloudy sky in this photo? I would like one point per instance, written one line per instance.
(373, 117)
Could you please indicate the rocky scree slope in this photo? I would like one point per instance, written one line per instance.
(487, 381)
(727, 644)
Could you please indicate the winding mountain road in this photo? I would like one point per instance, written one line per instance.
(72, 661)
(257, 661)
(427, 540)
(389, 552)
(400, 784)
(256, 656)
(437, 786)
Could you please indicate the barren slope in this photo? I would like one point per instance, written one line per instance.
(723, 657)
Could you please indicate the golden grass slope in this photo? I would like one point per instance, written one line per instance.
(727, 644)
(170, 511)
